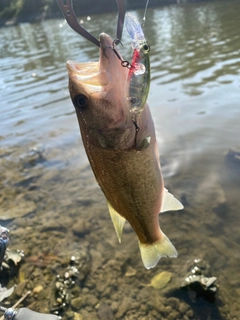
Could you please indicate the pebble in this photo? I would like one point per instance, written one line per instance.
(77, 316)
(126, 304)
(173, 302)
(80, 228)
(183, 307)
(114, 306)
(77, 303)
(37, 289)
(105, 312)
(173, 315)
(19, 288)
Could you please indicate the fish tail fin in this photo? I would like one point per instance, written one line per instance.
(152, 253)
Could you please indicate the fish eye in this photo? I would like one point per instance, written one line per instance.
(80, 102)
(146, 48)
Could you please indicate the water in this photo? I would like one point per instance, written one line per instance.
(194, 99)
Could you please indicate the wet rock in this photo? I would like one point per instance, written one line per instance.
(68, 283)
(89, 300)
(130, 272)
(173, 315)
(105, 312)
(16, 256)
(183, 307)
(33, 156)
(77, 316)
(199, 281)
(80, 228)
(126, 304)
(77, 303)
(88, 315)
(20, 287)
(97, 259)
(100, 287)
(114, 306)
(37, 289)
(17, 209)
(173, 303)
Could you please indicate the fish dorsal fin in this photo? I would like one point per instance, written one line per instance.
(118, 221)
(169, 202)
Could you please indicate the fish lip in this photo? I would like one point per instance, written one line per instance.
(105, 41)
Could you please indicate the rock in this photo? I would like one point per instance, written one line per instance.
(37, 289)
(105, 312)
(17, 209)
(199, 283)
(20, 287)
(173, 302)
(114, 306)
(125, 305)
(173, 315)
(77, 316)
(97, 259)
(88, 315)
(183, 307)
(77, 303)
(90, 300)
(81, 228)
(130, 272)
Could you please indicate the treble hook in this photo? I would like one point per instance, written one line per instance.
(124, 63)
(69, 14)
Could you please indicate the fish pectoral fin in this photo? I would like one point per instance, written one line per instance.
(169, 202)
(152, 253)
(118, 221)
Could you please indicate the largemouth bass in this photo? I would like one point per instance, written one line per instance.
(123, 155)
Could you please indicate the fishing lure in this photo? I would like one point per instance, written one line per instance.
(139, 72)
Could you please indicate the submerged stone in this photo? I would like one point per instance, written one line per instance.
(199, 282)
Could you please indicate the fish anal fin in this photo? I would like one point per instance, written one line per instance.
(118, 221)
(169, 202)
(152, 253)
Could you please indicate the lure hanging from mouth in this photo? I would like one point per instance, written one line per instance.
(139, 73)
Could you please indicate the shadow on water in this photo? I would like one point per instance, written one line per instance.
(49, 198)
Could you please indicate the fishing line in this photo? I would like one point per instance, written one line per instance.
(144, 16)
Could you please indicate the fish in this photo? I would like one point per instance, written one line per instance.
(126, 168)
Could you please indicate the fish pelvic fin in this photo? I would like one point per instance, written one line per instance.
(169, 202)
(152, 253)
(117, 220)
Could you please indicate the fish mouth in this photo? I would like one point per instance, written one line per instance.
(97, 75)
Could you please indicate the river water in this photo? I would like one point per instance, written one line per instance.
(49, 198)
